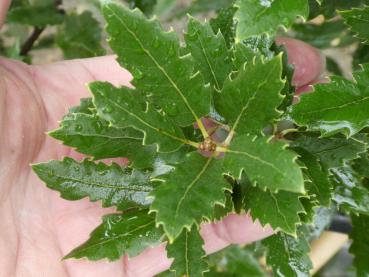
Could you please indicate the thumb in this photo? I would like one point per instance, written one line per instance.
(308, 62)
(4, 6)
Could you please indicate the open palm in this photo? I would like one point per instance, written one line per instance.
(38, 227)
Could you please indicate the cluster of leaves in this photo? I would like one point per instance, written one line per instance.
(204, 129)
(78, 34)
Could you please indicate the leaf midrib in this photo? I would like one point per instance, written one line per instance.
(336, 107)
(251, 98)
(101, 185)
(160, 131)
(258, 159)
(74, 133)
(177, 89)
(190, 186)
(100, 242)
(208, 62)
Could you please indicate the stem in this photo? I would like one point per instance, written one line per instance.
(202, 129)
(192, 143)
(37, 31)
(221, 149)
(28, 44)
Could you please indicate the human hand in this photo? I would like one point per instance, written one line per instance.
(38, 227)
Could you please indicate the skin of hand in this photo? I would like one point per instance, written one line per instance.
(38, 227)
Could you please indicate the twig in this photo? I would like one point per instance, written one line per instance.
(28, 44)
(37, 31)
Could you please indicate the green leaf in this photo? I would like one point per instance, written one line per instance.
(329, 8)
(153, 58)
(120, 234)
(255, 17)
(209, 51)
(202, 6)
(249, 101)
(146, 6)
(257, 157)
(333, 67)
(288, 256)
(361, 56)
(279, 210)
(326, 35)
(357, 20)
(317, 183)
(112, 184)
(333, 108)
(361, 165)
(310, 205)
(256, 46)
(86, 106)
(225, 24)
(222, 210)
(322, 220)
(189, 194)
(332, 152)
(163, 7)
(349, 194)
(80, 36)
(236, 262)
(188, 253)
(93, 136)
(123, 108)
(360, 245)
(37, 15)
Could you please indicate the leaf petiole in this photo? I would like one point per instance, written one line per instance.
(202, 128)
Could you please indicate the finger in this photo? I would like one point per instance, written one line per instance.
(4, 6)
(308, 62)
(234, 229)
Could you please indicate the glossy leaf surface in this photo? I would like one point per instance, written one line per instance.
(337, 107)
(153, 57)
(120, 234)
(112, 184)
(189, 256)
(189, 194)
(255, 17)
(257, 156)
